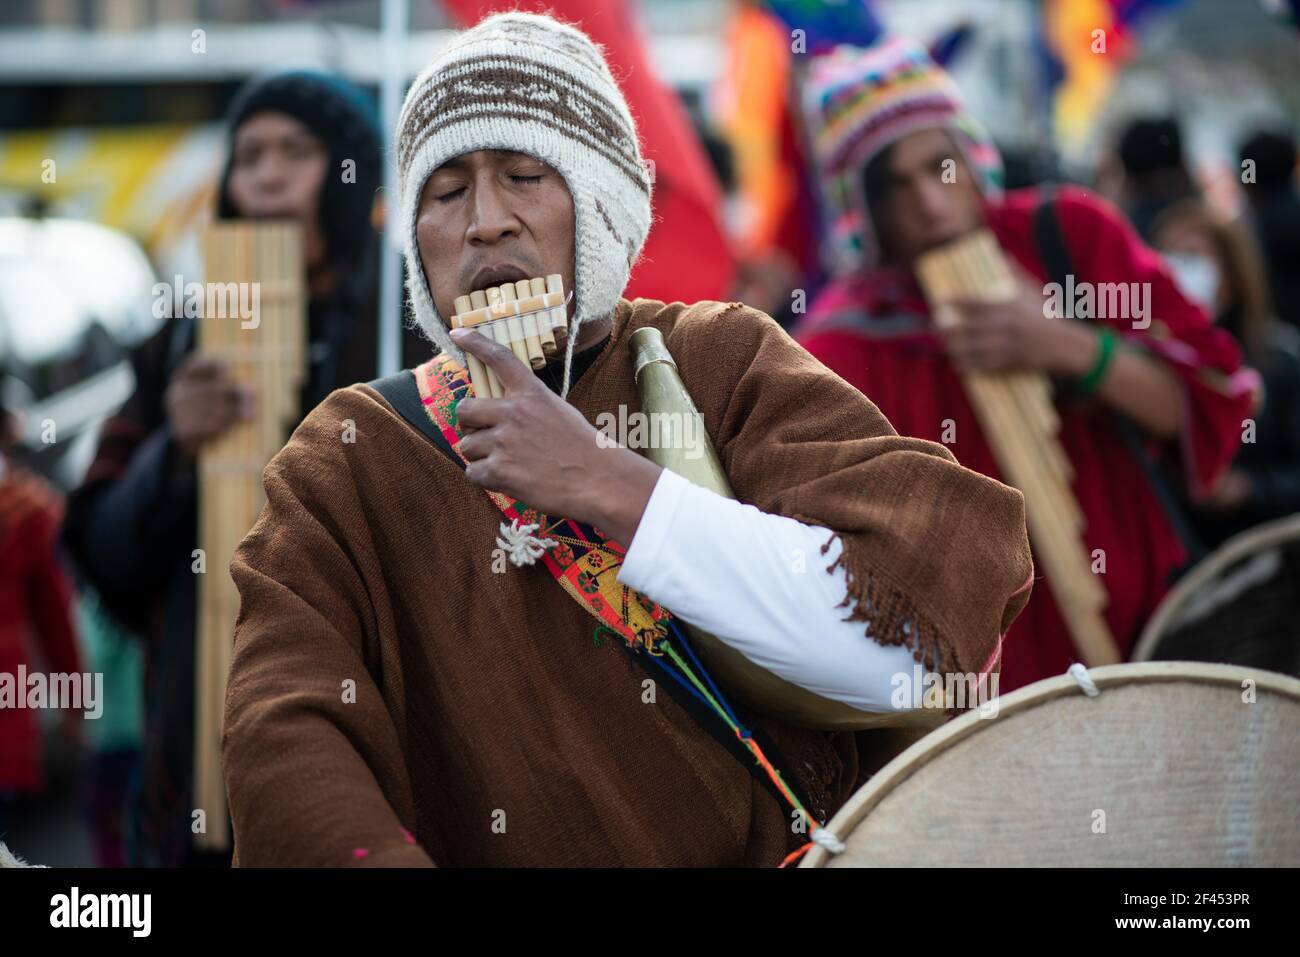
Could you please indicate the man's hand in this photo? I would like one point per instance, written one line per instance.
(202, 403)
(1015, 334)
(541, 450)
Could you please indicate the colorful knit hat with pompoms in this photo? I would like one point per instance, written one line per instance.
(858, 102)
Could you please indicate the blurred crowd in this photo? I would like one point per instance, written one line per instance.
(1196, 419)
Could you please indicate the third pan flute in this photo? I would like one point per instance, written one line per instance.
(1019, 421)
(530, 316)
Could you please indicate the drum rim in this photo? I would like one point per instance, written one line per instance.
(1030, 696)
(1240, 545)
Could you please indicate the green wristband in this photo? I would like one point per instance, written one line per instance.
(1089, 383)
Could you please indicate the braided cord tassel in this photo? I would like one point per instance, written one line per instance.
(724, 712)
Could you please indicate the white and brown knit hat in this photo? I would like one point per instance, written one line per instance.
(528, 83)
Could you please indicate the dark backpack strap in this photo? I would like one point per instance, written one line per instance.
(401, 392)
(1050, 240)
(1055, 255)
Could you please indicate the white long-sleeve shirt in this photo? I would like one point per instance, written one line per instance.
(758, 582)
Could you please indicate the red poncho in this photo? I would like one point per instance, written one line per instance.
(35, 597)
(875, 332)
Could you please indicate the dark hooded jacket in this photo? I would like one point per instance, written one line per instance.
(132, 526)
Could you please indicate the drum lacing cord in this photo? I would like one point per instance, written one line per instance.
(1080, 674)
(824, 837)
(693, 675)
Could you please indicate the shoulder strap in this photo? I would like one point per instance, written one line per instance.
(1049, 239)
(1055, 255)
(401, 392)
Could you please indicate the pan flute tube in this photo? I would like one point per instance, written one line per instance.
(559, 315)
(528, 319)
(478, 372)
(982, 271)
(514, 325)
(1073, 582)
(478, 300)
(1038, 418)
(545, 332)
(499, 332)
(1017, 459)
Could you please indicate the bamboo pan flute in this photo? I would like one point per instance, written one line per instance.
(270, 359)
(1016, 412)
(528, 316)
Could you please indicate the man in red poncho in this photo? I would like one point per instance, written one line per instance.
(905, 169)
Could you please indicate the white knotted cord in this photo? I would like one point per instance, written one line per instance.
(825, 837)
(568, 350)
(521, 545)
(1080, 674)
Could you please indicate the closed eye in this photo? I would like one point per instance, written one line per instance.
(527, 179)
(448, 197)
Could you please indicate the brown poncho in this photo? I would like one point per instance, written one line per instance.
(486, 726)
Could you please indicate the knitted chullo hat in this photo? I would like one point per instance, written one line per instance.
(857, 103)
(531, 84)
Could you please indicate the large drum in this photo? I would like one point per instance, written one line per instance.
(1240, 605)
(1169, 764)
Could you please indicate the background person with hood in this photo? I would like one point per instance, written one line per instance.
(132, 525)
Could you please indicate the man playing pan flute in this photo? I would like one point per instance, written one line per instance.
(907, 170)
(455, 655)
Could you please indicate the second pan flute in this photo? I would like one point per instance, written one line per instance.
(268, 356)
(1019, 420)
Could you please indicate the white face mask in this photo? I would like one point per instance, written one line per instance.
(1197, 276)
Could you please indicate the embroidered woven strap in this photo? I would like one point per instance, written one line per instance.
(585, 562)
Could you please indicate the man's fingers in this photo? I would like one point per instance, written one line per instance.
(203, 366)
(513, 375)
(223, 397)
(963, 338)
(480, 413)
(974, 310)
(247, 401)
(476, 446)
(973, 347)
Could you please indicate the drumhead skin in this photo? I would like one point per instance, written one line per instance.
(1171, 764)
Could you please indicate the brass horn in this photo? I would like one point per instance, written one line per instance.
(662, 391)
